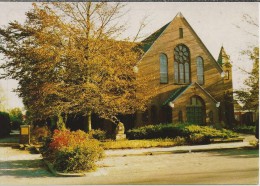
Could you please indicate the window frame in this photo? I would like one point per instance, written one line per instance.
(180, 33)
(165, 73)
(181, 56)
(200, 70)
(227, 75)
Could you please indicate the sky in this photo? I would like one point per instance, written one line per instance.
(215, 23)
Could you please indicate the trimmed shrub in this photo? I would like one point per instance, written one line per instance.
(157, 131)
(197, 139)
(39, 134)
(5, 124)
(245, 129)
(98, 134)
(194, 134)
(210, 132)
(73, 151)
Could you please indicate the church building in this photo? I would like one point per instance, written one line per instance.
(192, 86)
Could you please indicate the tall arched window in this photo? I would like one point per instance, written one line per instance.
(181, 64)
(200, 70)
(163, 69)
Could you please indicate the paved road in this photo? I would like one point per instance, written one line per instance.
(217, 167)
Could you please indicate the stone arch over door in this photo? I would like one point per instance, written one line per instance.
(196, 110)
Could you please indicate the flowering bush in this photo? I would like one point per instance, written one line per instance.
(73, 151)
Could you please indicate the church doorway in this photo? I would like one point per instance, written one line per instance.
(196, 110)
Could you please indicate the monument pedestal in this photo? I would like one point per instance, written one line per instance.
(120, 132)
(120, 136)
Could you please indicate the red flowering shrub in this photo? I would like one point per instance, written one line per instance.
(73, 151)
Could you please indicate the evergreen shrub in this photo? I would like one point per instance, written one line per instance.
(194, 134)
(245, 129)
(5, 124)
(98, 134)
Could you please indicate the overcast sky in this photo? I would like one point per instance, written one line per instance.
(215, 23)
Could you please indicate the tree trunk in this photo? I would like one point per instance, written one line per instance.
(87, 122)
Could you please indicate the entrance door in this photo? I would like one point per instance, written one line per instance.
(196, 111)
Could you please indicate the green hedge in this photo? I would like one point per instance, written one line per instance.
(245, 129)
(5, 124)
(157, 131)
(194, 134)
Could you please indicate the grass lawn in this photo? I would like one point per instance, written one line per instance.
(129, 144)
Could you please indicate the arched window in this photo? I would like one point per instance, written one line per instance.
(196, 110)
(163, 68)
(226, 75)
(181, 64)
(200, 70)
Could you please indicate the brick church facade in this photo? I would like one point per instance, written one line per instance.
(193, 86)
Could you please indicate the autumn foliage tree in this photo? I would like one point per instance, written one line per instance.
(68, 59)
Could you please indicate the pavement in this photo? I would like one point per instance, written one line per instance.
(20, 166)
(178, 149)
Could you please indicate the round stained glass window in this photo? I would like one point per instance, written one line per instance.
(181, 54)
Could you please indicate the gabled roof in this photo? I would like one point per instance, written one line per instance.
(175, 94)
(147, 43)
(178, 92)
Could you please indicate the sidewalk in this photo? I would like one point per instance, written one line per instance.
(177, 149)
(184, 149)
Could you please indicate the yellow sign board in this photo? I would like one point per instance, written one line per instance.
(24, 131)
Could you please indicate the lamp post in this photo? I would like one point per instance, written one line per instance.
(135, 69)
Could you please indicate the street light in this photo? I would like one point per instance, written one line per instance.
(171, 104)
(135, 69)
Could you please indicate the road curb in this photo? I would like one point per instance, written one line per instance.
(178, 151)
(60, 174)
(9, 144)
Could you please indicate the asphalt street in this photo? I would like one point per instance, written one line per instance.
(236, 166)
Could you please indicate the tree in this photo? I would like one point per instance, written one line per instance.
(3, 100)
(68, 59)
(4, 124)
(16, 117)
(249, 96)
